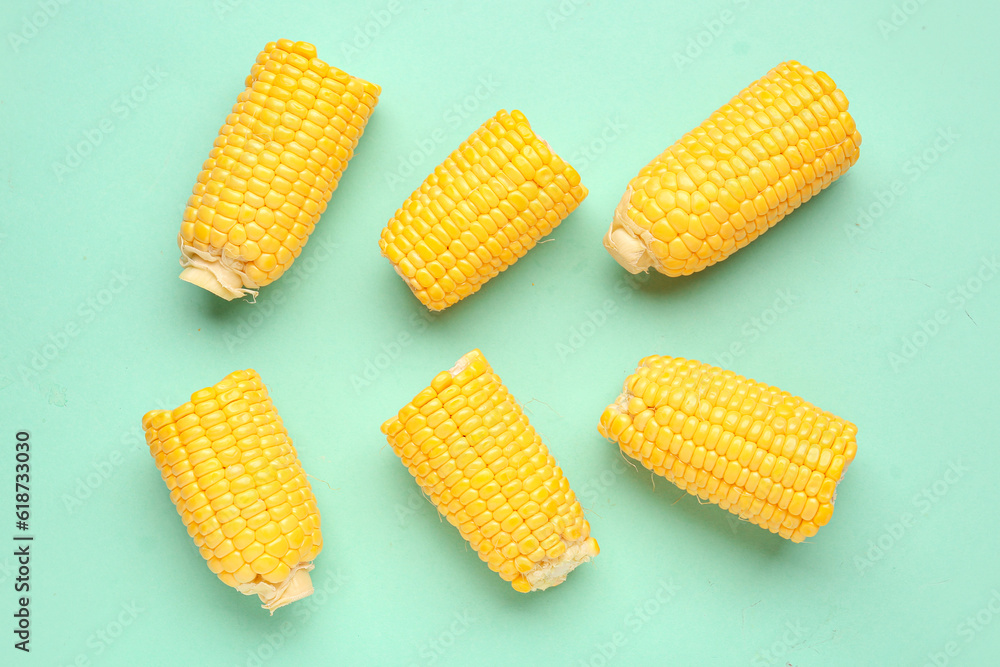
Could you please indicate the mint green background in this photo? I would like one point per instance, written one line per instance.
(402, 581)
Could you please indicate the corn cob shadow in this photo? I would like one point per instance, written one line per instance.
(659, 497)
(658, 285)
(802, 224)
(447, 542)
(526, 266)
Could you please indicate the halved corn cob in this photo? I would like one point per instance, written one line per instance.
(473, 452)
(485, 206)
(780, 141)
(759, 452)
(237, 483)
(275, 163)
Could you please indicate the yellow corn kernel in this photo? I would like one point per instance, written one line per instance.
(483, 208)
(773, 448)
(516, 509)
(275, 164)
(780, 141)
(243, 495)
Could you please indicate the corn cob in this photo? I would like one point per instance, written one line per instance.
(473, 452)
(276, 161)
(759, 452)
(779, 142)
(481, 210)
(237, 483)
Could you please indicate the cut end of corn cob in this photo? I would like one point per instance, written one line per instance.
(482, 209)
(275, 164)
(780, 141)
(553, 572)
(627, 242)
(472, 451)
(296, 586)
(767, 456)
(239, 488)
(211, 273)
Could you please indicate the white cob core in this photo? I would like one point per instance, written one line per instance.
(627, 242)
(551, 572)
(216, 273)
(297, 585)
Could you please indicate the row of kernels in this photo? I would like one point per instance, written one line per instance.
(496, 483)
(482, 209)
(740, 466)
(227, 510)
(276, 160)
(760, 138)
